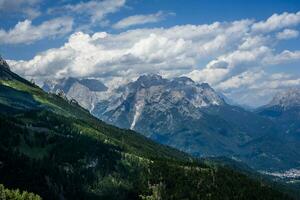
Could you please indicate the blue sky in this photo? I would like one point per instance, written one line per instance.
(187, 12)
(248, 50)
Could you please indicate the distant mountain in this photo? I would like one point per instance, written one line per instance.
(153, 97)
(286, 99)
(194, 118)
(284, 109)
(66, 84)
(86, 92)
(56, 149)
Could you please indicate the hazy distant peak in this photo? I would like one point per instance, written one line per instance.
(66, 84)
(287, 98)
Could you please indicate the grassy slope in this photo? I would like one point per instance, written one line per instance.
(57, 149)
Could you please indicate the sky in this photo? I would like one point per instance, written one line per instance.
(247, 50)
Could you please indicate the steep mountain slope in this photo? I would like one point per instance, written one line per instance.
(56, 149)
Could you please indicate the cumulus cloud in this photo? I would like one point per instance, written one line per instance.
(241, 80)
(26, 32)
(254, 41)
(231, 64)
(277, 81)
(257, 88)
(285, 56)
(277, 21)
(287, 34)
(241, 74)
(231, 56)
(135, 51)
(141, 19)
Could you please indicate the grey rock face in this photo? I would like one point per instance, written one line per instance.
(87, 92)
(154, 96)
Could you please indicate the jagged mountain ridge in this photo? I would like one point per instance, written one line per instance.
(134, 98)
(65, 84)
(194, 118)
(189, 116)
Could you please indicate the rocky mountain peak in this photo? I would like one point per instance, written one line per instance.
(205, 85)
(287, 98)
(182, 81)
(180, 88)
(3, 63)
(148, 80)
(154, 97)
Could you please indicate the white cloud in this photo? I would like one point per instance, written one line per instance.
(95, 10)
(208, 75)
(277, 81)
(26, 32)
(285, 56)
(134, 52)
(253, 41)
(29, 8)
(277, 21)
(258, 87)
(228, 55)
(231, 64)
(287, 34)
(140, 19)
(244, 79)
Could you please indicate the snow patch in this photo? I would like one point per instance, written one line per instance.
(291, 173)
(138, 110)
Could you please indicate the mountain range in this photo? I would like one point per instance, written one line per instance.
(196, 119)
(53, 147)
